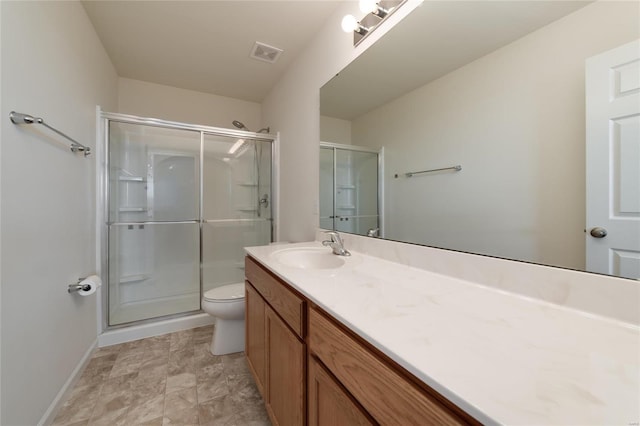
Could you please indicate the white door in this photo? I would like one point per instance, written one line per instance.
(613, 161)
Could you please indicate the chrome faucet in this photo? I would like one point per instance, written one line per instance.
(335, 242)
(373, 232)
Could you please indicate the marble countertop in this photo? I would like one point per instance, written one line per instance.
(501, 357)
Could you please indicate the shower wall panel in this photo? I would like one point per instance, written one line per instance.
(154, 270)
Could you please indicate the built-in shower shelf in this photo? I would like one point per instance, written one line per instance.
(347, 186)
(247, 184)
(346, 207)
(246, 209)
(132, 209)
(133, 278)
(141, 179)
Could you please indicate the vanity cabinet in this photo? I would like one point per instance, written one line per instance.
(386, 393)
(329, 402)
(254, 337)
(285, 372)
(275, 349)
(313, 370)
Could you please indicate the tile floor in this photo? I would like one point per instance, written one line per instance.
(164, 380)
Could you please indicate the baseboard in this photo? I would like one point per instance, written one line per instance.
(135, 332)
(50, 415)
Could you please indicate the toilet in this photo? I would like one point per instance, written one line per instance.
(226, 305)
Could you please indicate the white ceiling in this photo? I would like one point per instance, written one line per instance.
(205, 45)
(435, 39)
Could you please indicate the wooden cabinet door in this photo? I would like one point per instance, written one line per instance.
(289, 306)
(255, 345)
(285, 372)
(380, 388)
(329, 402)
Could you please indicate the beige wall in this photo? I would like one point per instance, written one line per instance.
(187, 106)
(335, 130)
(53, 66)
(515, 121)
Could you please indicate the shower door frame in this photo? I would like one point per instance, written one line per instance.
(380, 153)
(104, 119)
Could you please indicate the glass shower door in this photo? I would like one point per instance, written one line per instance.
(153, 222)
(349, 189)
(327, 214)
(356, 191)
(236, 205)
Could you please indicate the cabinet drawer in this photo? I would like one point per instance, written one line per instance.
(386, 395)
(289, 306)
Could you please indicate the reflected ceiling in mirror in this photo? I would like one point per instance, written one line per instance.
(498, 88)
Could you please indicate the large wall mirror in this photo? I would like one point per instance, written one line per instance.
(548, 165)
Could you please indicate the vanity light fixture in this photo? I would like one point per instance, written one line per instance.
(372, 6)
(376, 12)
(350, 23)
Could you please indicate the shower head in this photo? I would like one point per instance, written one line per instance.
(239, 125)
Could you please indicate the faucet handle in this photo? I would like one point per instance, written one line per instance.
(336, 244)
(335, 237)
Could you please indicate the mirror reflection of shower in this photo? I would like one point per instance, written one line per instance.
(349, 189)
(263, 202)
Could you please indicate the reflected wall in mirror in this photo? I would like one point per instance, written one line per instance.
(499, 88)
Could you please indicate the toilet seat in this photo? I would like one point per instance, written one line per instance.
(226, 293)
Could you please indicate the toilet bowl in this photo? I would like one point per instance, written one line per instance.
(226, 304)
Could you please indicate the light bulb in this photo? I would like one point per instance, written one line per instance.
(368, 6)
(349, 23)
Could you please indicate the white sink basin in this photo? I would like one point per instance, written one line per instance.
(308, 258)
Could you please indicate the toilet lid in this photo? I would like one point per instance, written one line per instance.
(226, 293)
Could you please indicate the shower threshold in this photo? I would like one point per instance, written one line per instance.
(153, 327)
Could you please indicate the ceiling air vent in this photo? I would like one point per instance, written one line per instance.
(264, 52)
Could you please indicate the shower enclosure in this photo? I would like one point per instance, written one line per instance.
(181, 203)
(350, 189)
